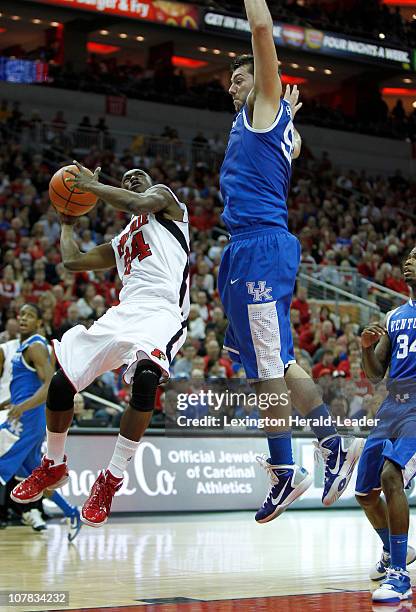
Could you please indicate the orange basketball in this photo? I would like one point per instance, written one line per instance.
(66, 198)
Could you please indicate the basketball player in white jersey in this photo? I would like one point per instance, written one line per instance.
(144, 332)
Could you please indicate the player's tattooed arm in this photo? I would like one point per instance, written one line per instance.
(376, 352)
(99, 258)
(154, 200)
(267, 91)
(38, 357)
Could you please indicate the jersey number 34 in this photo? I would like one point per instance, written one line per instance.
(404, 349)
(139, 250)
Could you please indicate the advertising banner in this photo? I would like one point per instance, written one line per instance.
(316, 41)
(157, 11)
(190, 474)
(22, 71)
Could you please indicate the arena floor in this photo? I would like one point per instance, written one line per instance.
(305, 560)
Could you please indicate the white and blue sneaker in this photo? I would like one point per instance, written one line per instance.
(287, 483)
(396, 587)
(340, 454)
(74, 525)
(379, 571)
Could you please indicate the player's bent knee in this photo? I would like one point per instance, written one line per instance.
(391, 477)
(368, 500)
(60, 393)
(145, 383)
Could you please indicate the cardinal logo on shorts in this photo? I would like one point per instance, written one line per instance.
(158, 354)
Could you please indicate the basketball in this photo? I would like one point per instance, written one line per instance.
(66, 198)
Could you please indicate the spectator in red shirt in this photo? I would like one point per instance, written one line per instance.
(214, 356)
(326, 363)
(40, 285)
(300, 303)
(396, 282)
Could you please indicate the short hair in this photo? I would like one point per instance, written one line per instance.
(246, 59)
(34, 307)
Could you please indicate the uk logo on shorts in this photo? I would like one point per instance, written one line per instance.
(261, 292)
(158, 354)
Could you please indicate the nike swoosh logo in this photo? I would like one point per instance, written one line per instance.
(234, 281)
(336, 469)
(276, 501)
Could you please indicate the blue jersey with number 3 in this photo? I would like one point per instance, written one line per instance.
(401, 327)
(255, 175)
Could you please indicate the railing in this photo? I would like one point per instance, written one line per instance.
(360, 311)
(350, 280)
(81, 140)
(101, 400)
(386, 298)
(346, 277)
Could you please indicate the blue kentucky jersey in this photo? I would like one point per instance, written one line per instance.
(25, 382)
(401, 327)
(255, 175)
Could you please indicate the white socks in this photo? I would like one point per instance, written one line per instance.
(125, 449)
(56, 446)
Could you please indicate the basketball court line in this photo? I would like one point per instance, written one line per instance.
(344, 601)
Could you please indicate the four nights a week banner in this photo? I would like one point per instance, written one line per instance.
(157, 11)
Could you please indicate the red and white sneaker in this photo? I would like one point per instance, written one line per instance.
(96, 509)
(46, 476)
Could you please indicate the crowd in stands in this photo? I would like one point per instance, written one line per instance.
(166, 84)
(352, 219)
(354, 17)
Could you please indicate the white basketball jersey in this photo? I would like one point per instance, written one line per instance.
(9, 348)
(152, 256)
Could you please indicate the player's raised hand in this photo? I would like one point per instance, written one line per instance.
(372, 334)
(292, 96)
(84, 178)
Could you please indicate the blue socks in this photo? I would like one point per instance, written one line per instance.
(66, 508)
(322, 430)
(398, 550)
(280, 448)
(384, 535)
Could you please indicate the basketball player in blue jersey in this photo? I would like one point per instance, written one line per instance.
(22, 435)
(258, 269)
(388, 461)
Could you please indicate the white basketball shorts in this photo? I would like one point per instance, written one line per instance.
(125, 335)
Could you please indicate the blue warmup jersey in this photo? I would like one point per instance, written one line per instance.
(258, 268)
(255, 175)
(394, 437)
(20, 441)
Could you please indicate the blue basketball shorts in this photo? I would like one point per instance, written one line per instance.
(256, 281)
(20, 453)
(393, 438)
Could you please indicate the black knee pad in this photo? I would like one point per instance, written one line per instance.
(60, 394)
(145, 382)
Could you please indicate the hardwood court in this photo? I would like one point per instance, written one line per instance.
(304, 560)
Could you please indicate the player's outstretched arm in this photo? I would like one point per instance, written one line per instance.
(376, 352)
(38, 355)
(267, 85)
(153, 200)
(99, 258)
